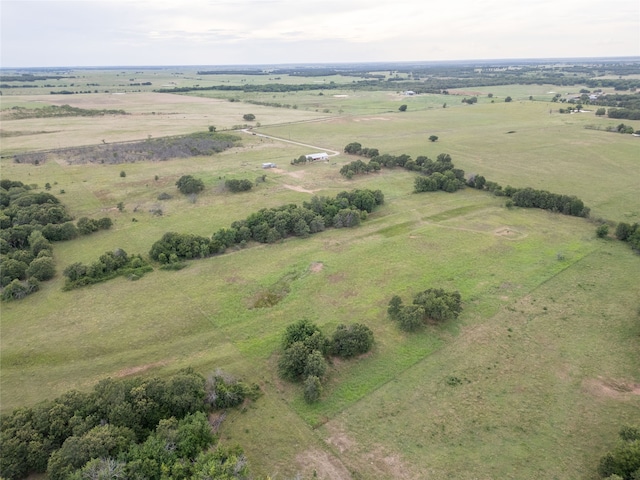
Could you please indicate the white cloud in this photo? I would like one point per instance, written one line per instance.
(94, 32)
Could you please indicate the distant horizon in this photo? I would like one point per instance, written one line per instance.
(484, 61)
(93, 33)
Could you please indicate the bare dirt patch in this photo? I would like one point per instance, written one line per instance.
(125, 372)
(389, 464)
(320, 464)
(336, 277)
(368, 119)
(316, 267)
(339, 439)
(297, 174)
(610, 388)
(509, 233)
(296, 188)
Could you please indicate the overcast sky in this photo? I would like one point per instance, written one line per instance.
(233, 32)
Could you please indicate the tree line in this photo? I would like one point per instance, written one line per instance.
(135, 428)
(29, 222)
(441, 174)
(109, 265)
(270, 225)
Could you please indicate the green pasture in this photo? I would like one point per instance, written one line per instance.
(532, 381)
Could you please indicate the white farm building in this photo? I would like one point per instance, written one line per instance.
(312, 157)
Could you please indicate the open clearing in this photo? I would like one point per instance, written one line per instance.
(532, 381)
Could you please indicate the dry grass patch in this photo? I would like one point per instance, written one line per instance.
(320, 464)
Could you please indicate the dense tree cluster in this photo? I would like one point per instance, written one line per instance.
(29, 222)
(305, 349)
(629, 233)
(138, 428)
(108, 266)
(235, 185)
(436, 175)
(433, 304)
(565, 204)
(623, 462)
(270, 225)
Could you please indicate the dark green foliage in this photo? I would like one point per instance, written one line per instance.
(447, 182)
(508, 99)
(109, 265)
(304, 347)
(624, 459)
(402, 108)
(87, 226)
(433, 138)
(315, 365)
(299, 332)
(42, 269)
(353, 148)
(433, 304)
(395, 307)
(625, 230)
(349, 341)
(183, 246)
(101, 441)
(293, 361)
(30, 220)
(602, 231)
(17, 290)
(238, 185)
(312, 389)
(630, 234)
(346, 218)
(106, 422)
(11, 269)
(187, 184)
(224, 391)
(249, 117)
(565, 204)
(411, 317)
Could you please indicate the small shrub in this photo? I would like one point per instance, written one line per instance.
(602, 231)
(312, 389)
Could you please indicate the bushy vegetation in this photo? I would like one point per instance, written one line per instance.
(29, 222)
(188, 184)
(433, 304)
(306, 348)
(53, 111)
(151, 150)
(351, 340)
(271, 225)
(149, 428)
(623, 462)
(629, 233)
(108, 266)
(235, 185)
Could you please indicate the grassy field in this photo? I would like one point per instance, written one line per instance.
(532, 381)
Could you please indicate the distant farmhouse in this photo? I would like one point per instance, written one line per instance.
(312, 157)
(269, 165)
